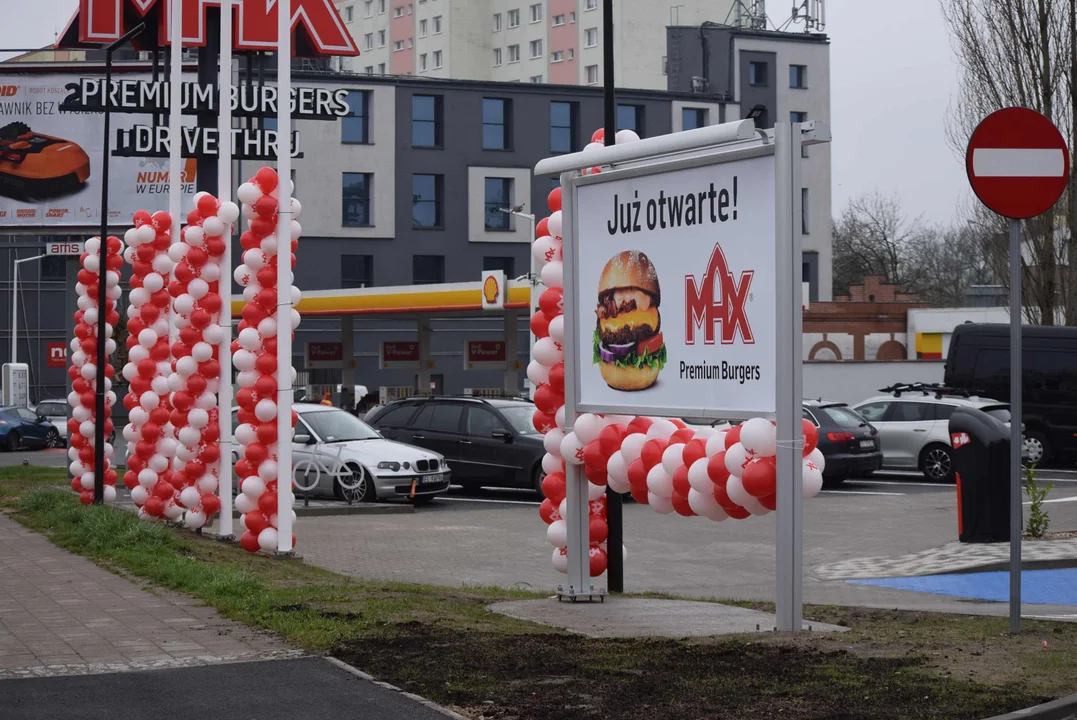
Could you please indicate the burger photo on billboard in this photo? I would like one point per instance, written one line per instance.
(628, 345)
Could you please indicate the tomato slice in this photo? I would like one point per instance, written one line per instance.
(651, 345)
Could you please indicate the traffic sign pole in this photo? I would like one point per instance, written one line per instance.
(1016, 516)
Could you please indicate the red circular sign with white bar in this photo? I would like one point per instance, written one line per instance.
(1017, 162)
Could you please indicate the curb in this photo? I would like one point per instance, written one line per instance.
(1000, 565)
(411, 696)
(1055, 710)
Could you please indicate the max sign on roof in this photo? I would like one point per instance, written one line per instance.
(255, 26)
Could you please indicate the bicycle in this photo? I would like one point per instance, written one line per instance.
(350, 482)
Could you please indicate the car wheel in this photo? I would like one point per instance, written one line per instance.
(12, 441)
(420, 500)
(53, 440)
(937, 463)
(1037, 448)
(536, 479)
(363, 486)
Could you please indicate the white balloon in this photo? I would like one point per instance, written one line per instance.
(553, 274)
(661, 505)
(189, 497)
(82, 414)
(247, 378)
(228, 212)
(557, 533)
(187, 365)
(698, 477)
(173, 511)
(594, 492)
(140, 495)
(92, 262)
(244, 359)
(817, 457)
(244, 503)
(147, 478)
(158, 462)
(137, 354)
(734, 488)
(572, 449)
(208, 483)
(552, 441)
(617, 470)
(537, 373)
(211, 272)
(559, 418)
(248, 193)
(138, 416)
(704, 504)
(245, 434)
(147, 338)
(587, 427)
(213, 226)
(213, 334)
(254, 259)
(177, 252)
(551, 463)
(759, 437)
(672, 458)
(251, 291)
(149, 400)
(625, 136)
(560, 561)
(197, 417)
(183, 304)
(557, 329)
(812, 481)
(662, 429)
(249, 339)
(243, 275)
(86, 429)
(267, 470)
(267, 539)
(197, 288)
(189, 435)
(619, 485)
(253, 486)
(195, 236)
(206, 401)
(139, 297)
(159, 383)
(631, 447)
(153, 282)
(755, 507)
(545, 249)
(202, 351)
(269, 245)
(194, 519)
(267, 327)
(553, 224)
(715, 444)
(546, 351)
(660, 482)
(87, 481)
(265, 410)
(735, 459)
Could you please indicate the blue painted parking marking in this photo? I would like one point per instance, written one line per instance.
(1038, 587)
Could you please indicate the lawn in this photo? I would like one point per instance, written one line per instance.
(442, 642)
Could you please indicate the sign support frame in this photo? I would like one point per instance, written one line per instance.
(1016, 441)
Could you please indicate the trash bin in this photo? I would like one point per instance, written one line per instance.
(982, 463)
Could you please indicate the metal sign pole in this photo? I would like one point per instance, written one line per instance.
(284, 278)
(1016, 516)
(790, 500)
(224, 194)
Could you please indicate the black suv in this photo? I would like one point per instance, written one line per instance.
(487, 443)
(849, 443)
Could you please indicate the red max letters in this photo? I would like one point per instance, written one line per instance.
(708, 304)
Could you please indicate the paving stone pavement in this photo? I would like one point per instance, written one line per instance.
(62, 615)
(949, 558)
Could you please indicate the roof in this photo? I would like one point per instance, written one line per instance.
(997, 329)
(973, 402)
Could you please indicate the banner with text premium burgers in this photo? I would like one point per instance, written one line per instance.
(50, 160)
(674, 288)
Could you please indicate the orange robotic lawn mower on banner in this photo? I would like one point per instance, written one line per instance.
(35, 166)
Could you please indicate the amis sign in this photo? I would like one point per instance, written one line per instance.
(316, 24)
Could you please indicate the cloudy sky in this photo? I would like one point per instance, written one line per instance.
(892, 76)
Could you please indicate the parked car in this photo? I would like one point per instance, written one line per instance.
(352, 461)
(21, 427)
(848, 442)
(979, 361)
(487, 442)
(913, 425)
(56, 412)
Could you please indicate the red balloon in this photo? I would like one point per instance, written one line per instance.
(543, 422)
(211, 433)
(151, 432)
(155, 507)
(256, 521)
(682, 436)
(208, 205)
(553, 487)
(245, 399)
(266, 433)
(554, 199)
(267, 503)
(200, 318)
(249, 542)
(732, 437)
(716, 469)
(723, 497)
(184, 273)
(149, 313)
(736, 512)
(262, 226)
(598, 561)
(770, 502)
(210, 453)
(215, 246)
(548, 511)
(610, 439)
(547, 399)
(211, 302)
(598, 135)
(639, 425)
(182, 400)
(266, 179)
(267, 277)
(159, 415)
(196, 256)
(593, 455)
(163, 490)
(253, 313)
(639, 494)
(266, 386)
(266, 364)
(542, 229)
(141, 217)
(144, 449)
(693, 450)
(760, 477)
(130, 479)
(211, 504)
(255, 453)
(244, 469)
(651, 454)
(681, 506)
(557, 377)
(597, 530)
(86, 497)
(637, 475)
(540, 325)
(811, 436)
(209, 369)
(265, 206)
(196, 384)
(552, 302)
(680, 482)
(596, 474)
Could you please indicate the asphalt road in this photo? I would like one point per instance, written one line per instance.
(273, 690)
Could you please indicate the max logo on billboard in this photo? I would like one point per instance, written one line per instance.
(8, 90)
(718, 299)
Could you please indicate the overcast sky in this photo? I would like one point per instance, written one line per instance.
(892, 76)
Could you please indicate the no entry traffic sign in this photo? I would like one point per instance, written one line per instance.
(1017, 162)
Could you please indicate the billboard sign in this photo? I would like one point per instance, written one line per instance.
(325, 355)
(64, 247)
(50, 161)
(57, 355)
(399, 355)
(484, 355)
(494, 290)
(672, 288)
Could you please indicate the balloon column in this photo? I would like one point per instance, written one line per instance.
(254, 355)
(195, 377)
(149, 433)
(89, 321)
(663, 463)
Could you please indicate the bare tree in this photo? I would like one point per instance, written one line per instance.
(948, 262)
(1023, 53)
(873, 237)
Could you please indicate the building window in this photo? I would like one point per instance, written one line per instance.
(506, 265)
(590, 37)
(757, 73)
(381, 38)
(514, 53)
(536, 13)
(630, 117)
(498, 195)
(591, 72)
(54, 267)
(411, 43)
(571, 53)
(557, 56)
(555, 182)
(798, 76)
(398, 11)
(572, 17)
(536, 49)
(381, 7)
(497, 22)
(426, 193)
(348, 14)
(381, 68)
(692, 118)
(369, 69)
(368, 8)
(665, 65)
(426, 120)
(496, 121)
(422, 28)
(534, 79)
(437, 59)
(563, 127)
(497, 57)
(356, 271)
(805, 216)
(558, 20)
(591, 5)
(398, 46)
(437, 24)
(514, 18)
(269, 123)
(368, 41)
(354, 127)
(355, 199)
(427, 269)
(422, 62)
(411, 8)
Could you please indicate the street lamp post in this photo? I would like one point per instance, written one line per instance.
(533, 279)
(15, 305)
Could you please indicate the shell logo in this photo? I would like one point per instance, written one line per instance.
(490, 289)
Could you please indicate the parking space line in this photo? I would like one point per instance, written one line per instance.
(1055, 500)
(489, 500)
(898, 482)
(863, 492)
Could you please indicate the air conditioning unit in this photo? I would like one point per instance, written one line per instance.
(699, 84)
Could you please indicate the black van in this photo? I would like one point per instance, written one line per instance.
(979, 361)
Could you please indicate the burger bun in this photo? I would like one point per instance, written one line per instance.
(628, 378)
